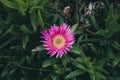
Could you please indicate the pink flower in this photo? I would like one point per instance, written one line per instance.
(58, 40)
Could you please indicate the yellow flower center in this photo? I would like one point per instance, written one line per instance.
(58, 41)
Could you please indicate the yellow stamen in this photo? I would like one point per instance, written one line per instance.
(58, 41)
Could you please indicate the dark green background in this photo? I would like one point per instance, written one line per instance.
(94, 56)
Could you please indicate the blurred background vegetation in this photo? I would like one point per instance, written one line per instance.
(94, 56)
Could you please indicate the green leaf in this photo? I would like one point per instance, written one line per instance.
(2, 24)
(116, 61)
(73, 74)
(55, 18)
(10, 4)
(33, 19)
(26, 78)
(40, 19)
(80, 39)
(74, 27)
(116, 45)
(7, 42)
(107, 4)
(49, 62)
(50, 10)
(5, 71)
(111, 25)
(78, 65)
(111, 10)
(109, 51)
(91, 40)
(12, 71)
(93, 48)
(43, 2)
(38, 48)
(25, 29)
(101, 32)
(55, 77)
(16, 47)
(99, 75)
(60, 20)
(12, 29)
(30, 58)
(94, 22)
(65, 60)
(4, 34)
(25, 40)
(22, 6)
(75, 49)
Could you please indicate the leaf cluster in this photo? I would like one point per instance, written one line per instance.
(94, 56)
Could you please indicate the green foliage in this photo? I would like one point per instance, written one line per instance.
(94, 56)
